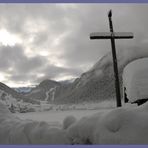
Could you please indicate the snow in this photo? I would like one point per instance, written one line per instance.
(14, 130)
(135, 79)
(47, 95)
(7, 99)
(125, 125)
(35, 91)
(55, 116)
(69, 120)
(23, 89)
(52, 91)
(116, 126)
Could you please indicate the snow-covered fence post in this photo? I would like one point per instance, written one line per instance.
(112, 36)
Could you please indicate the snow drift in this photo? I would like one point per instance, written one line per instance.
(117, 126)
(135, 79)
(16, 131)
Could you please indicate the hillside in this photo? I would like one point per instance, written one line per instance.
(44, 90)
(11, 93)
(97, 84)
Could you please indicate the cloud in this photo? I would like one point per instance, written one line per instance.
(21, 68)
(55, 72)
(55, 37)
(40, 38)
(14, 57)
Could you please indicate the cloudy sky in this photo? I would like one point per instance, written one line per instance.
(51, 41)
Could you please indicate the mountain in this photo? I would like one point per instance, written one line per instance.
(97, 84)
(23, 90)
(7, 92)
(44, 91)
(64, 82)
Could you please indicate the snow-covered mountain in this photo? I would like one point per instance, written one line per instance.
(5, 90)
(8, 93)
(64, 82)
(44, 91)
(97, 84)
(23, 90)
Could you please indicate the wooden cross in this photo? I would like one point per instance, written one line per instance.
(112, 36)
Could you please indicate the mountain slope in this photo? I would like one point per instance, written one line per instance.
(44, 90)
(97, 84)
(23, 90)
(7, 91)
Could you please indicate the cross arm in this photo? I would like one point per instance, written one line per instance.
(109, 35)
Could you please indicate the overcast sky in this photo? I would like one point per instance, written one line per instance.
(51, 41)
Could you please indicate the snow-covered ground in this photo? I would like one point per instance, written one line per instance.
(58, 112)
(55, 116)
(125, 125)
(79, 111)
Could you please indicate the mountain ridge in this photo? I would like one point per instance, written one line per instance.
(96, 84)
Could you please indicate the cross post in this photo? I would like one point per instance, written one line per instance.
(112, 36)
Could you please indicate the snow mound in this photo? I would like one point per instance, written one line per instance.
(69, 120)
(113, 126)
(81, 132)
(136, 79)
(16, 131)
(116, 126)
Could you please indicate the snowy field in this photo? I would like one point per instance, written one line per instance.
(55, 116)
(125, 125)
